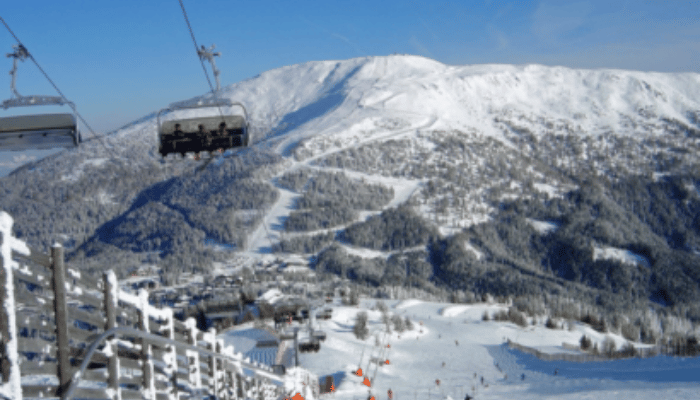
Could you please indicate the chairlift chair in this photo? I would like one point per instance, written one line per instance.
(37, 131)
(199, 134)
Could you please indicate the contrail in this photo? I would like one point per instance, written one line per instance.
(355, 47)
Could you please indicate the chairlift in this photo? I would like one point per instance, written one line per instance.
(199, 134)
(36, 131)
(185, 135)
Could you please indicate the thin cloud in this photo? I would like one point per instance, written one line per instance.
(420, 47)
(336, 35)
(551, 22)
(658, 57)
(499, 37)
(429, 29)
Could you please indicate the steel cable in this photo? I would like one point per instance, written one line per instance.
(71, 105)
(196, 48)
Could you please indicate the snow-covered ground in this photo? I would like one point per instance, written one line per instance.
(269, 231)
(416, 360)
(622, 255)
(543, 227)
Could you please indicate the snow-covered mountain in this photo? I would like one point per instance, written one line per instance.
(527, 180)
(361, 98)
(454, 143)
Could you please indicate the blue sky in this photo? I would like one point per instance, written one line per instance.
(120, 60)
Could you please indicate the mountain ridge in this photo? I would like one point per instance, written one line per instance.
(471, 143)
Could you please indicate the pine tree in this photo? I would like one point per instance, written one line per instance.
(360, 329)
(585, 342)
(408, 323)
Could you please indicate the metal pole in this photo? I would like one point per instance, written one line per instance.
(296, 347)
(207, 54)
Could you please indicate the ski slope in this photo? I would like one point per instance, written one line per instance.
(416, 360)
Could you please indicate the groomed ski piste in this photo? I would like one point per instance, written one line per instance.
(416, 359)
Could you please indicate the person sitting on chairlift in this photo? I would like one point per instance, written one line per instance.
(202, 134)
(222, 132)
(178, 130)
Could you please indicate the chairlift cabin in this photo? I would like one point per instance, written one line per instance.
(43, 131)
(197, 134)
(36, 131)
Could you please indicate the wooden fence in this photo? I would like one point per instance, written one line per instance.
(51, 315)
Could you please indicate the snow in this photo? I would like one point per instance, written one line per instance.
(316, 109)
(550, 190)
(312, 110)
(478, 254)
(365, 253)
(543, 227)
(79, 170)
(272, 296)
(260, 241)
(8, 244)
(75, 274)
(622, 255)
(416, 359)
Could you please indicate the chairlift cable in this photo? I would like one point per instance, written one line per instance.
(201, 61)
(70, 104)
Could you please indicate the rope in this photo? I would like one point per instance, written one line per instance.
(196, 49)
(71, 105)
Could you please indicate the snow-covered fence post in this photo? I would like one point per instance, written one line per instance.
(170, 357)
(11, 387)
(194, 370)
(231, 385)
(240, 388)
(221, 372)
(258, 390)
(146, 362)
(210, 338)
(60, 308)
(111, 298)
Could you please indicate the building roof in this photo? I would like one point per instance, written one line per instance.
(272, 296)
(245, 341)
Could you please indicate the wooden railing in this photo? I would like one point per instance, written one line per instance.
(51, 316)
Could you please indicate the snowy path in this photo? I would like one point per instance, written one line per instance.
(273, 223)
(375, 138)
